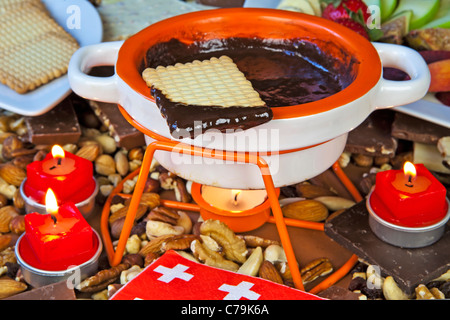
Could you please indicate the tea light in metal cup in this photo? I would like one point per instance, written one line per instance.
(56, 245)
(37, 277)
(408, 208)
(86, 206)
(241, 210)
(71, 178)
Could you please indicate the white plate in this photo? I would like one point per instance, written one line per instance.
(430, 109)
(82, 21)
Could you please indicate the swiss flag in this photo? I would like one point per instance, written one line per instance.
(173, 277)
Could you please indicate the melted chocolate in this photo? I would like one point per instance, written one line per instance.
(184, 120)
(283, 72)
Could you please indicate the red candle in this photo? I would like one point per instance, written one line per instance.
(411, 197)
(57, 240)
(69, 176)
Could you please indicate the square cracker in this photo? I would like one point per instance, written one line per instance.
(34, 48)
(202, 95)
(213, 82)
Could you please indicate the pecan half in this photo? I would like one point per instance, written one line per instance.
(315, 269)
(255, 241)
(163, 214)
(102, 279)
(181, 242)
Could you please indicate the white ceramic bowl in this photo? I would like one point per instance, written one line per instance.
(324, 123)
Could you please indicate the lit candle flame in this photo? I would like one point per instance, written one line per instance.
(58, 152)
(51, 205)
(235, 194)
(410, 171)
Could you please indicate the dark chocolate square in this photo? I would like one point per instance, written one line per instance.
(409, 267)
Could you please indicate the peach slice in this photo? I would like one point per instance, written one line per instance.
(440, 76)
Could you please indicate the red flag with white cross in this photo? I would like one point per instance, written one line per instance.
(173, 277)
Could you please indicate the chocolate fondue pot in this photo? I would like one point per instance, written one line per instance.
(301, 140)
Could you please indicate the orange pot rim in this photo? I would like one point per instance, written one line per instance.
(369, 72)
(196, 192)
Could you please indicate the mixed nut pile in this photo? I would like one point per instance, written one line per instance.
(158, 229)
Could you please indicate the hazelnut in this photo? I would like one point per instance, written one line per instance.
(105, 165)
(133, 259)
(362, 160)
(136, 154)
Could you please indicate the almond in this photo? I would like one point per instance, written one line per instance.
(5, 240)
(310, 191)
(89, 151)
(122, 212)
(12, 174)
(335, 203)
(269, 272)
(309, 210)
(9, 287)
(7, 213)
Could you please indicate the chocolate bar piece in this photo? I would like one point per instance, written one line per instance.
(339, 293)
(58, 126)
(373, 136)
(409, 267)
(54, 291)
(418, 130)
(124, 133)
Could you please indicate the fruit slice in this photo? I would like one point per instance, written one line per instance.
(372, 2)
(387, 7)
(429, 39)
(396, 28)
(315, 4)
(440, 76)
(298, 6)
(423, 11)
(442, 18)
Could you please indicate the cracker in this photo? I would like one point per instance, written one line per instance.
(6, 5)
(36, 62)
(24, 23)
(34, 48)
(213, 82)
(202, 95)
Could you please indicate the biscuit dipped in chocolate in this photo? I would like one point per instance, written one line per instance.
(209, 94)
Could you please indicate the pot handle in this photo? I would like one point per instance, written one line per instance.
(395, 93)
(90, 87)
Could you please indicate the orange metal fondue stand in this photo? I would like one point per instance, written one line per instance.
(165, 144)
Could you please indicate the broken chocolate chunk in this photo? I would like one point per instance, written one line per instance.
(373, 136)
(124, 133)
(57, 126)
(418, 130)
